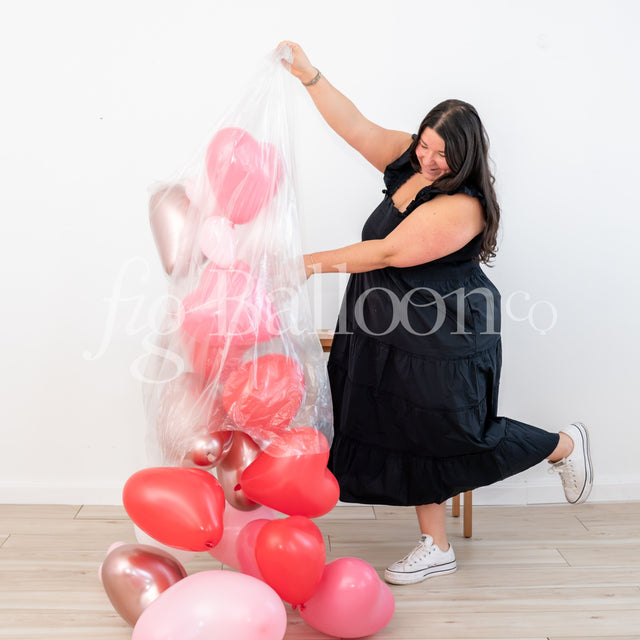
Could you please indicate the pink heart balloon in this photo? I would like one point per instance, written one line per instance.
(246, 548)
(243, 173)
(350, 601)
(229, 305)
(134, 575)
(234, 521)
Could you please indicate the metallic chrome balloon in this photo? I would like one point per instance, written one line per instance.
(187, 416)
(242, 453)
(167, 213)
(134, 575)
(208, 450)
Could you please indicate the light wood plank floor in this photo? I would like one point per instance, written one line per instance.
(529, 573)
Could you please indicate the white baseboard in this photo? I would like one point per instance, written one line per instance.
(52, 493)
(540, 491)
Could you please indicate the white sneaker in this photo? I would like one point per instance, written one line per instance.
(425, 561)
(576, 471)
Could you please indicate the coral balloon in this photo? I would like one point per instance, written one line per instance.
(217, 241)
(246, 548)
(212, 361)
(291, 475)
(243, 173)
(168, 209)
(290, 554)
(234, 521)
(350, 601)
(229, 306)
(133, 576)
(214, 604)
(264, 395)
(179, 507)
(242, 453)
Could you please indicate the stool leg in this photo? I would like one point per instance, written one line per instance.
(455, 506)
(468, 518)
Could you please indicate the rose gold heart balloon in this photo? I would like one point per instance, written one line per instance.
(242, 453)
(167, 214)
(187, 414)
(208, 450)
(134, 575)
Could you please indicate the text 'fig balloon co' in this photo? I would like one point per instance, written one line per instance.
(243, 173)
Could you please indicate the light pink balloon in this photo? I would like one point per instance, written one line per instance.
(217, 241)
(214, 604)
(350, 602)
(246, 548)
(234, 520)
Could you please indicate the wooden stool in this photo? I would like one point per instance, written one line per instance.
(326, 340)
(467, 519)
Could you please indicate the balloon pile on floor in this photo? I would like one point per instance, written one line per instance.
(239, 412)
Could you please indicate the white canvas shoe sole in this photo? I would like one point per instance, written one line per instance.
(411, 577)
(584, 445)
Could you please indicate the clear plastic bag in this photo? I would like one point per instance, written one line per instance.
(236, 362)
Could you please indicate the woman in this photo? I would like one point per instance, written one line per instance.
(415, 362)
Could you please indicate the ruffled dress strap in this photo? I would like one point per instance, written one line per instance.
(400, 170)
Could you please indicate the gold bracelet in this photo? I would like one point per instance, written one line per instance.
(314, 80)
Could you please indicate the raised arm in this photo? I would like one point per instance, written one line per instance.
(378, 145)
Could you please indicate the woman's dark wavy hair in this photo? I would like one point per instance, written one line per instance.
(466, 149)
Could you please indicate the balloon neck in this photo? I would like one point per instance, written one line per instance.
(237, 487)
(209, 545)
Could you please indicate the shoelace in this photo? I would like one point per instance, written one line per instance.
(566, 469)
(424, 546)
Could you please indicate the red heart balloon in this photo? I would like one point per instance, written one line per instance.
(264, 395)
(291, 475)
(177, 506)
(229, 305)
(290, 554)
(243, 173)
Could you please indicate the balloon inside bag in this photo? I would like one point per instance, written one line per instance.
(264, 395)
(243, 173)
(229, 305)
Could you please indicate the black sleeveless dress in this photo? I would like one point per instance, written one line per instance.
(414, 372)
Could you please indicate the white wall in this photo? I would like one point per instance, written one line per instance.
(100, 100)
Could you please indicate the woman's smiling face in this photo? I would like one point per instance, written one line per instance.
(430, 153)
